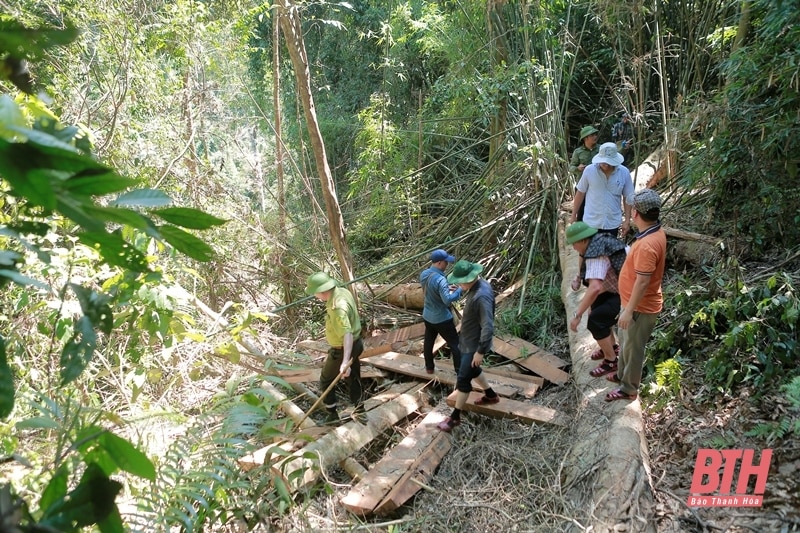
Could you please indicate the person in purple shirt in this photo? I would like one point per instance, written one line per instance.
(436, 310)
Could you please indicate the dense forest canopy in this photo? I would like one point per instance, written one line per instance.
(159, 167)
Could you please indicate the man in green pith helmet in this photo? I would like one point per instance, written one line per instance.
(583, 154)
(477, 331)
(343, 333)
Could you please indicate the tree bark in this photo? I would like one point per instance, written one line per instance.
(606, 473)
(289, 16)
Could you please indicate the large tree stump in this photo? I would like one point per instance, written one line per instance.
(606, 472)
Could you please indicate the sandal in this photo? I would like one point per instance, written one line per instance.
(448, 424)
(486, 400)
(576, 283)
(606, 367)
(619, 395)
(614, 378)
(598, 353)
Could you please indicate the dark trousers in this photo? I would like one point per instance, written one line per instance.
(447, 330)
(466, 373)
(330, 370)
(603, 315)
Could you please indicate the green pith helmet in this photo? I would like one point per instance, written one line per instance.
(464, 272)
(586, 131)
(320, 282)
(579, 231)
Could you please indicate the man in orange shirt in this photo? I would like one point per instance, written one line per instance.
(640, 292)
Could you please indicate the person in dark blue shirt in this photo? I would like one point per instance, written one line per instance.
(477, 331)
(436, 311)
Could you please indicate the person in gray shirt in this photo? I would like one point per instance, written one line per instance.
(477, 331)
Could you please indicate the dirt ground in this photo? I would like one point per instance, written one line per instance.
(702, 418)
(504, 476)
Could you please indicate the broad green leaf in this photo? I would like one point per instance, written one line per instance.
(6, 382)
(34, 41)
(88, 503)
(24, 227)
(119, 215)
(189, 218)
(111, 523)
(95, 306)
(115, 250)
(78, 351)
(230, 352)
(187, 243)
(47, 142)
(37, 422)
(55, 490)
(127, 456)
(74, 208)
(19, 279)
(143, 198)
(97, 182)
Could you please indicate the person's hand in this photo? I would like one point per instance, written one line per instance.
(573, 324)
(626, 226)
(624, 319)
(477, 359)
(344, 370)
(581, 167)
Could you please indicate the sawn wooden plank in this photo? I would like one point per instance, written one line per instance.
(506, 408)
(534, 363)
(412, 366)
(398, 464)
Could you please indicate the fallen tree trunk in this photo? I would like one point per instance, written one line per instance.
(606, 473)
(405, 295)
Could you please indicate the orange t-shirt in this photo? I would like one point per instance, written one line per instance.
(647, 256)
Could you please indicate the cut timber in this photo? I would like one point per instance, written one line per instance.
(303, 468)
(414, 367)
(506, 408)
(417, 455)
(421, 471)
(534, 362)
(606, 471)
(402, 334)
(515, 374)
(305, 375)
(690, 235)
(531, 350)
(406, 295)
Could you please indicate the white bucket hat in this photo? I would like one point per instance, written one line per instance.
(607, 153)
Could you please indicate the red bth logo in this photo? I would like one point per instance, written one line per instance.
(713, 478)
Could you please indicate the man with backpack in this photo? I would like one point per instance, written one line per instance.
(436, 310)
(603, 256)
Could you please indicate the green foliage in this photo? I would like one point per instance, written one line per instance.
(78, 490)
(200, 485)
(788, 425)
(738, 333)
(748, 158)
(539, 319)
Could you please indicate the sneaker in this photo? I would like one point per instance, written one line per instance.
(448, 424)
